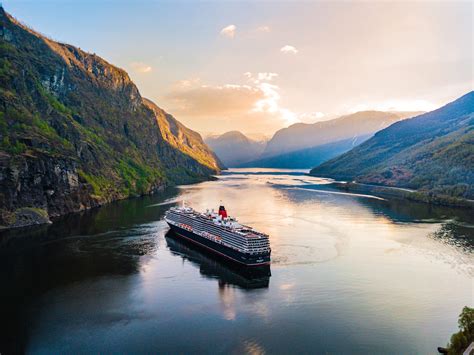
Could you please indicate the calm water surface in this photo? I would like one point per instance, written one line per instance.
(349, 274)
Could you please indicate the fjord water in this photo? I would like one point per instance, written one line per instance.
(349, 274)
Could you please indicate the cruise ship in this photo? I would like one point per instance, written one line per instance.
(220, 234)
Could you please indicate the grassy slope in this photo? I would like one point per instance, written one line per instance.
(58, 103)
(433, 152)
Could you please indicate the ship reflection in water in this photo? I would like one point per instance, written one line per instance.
(350, 274)
(215, 267)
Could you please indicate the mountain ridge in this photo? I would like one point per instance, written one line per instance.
(432, 153)
(235, 148)
(75, 132)
(307, 135)
(308, 157)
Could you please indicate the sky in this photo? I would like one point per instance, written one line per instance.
(258, 66)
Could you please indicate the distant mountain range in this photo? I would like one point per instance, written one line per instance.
(234, 148)
(303, 135)
(305, 145)
(76, 133)
(307, 158)
(433, 153)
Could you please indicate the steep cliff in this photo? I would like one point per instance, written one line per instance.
(76, 133)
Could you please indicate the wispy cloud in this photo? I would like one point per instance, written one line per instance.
(195, 99)
(288, 49)
(229, 31)
(141, 67)
(265, 76)
(253, 106)
(264, 29)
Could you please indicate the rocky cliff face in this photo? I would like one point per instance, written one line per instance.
(76, 133)
(182, 138)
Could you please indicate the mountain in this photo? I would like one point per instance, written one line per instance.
(76, 133)
(303, 135)
(182, 138)
(307, 158)
(433, 153)
(234, 148)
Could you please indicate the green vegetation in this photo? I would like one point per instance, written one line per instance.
(15, 147)
(53, 101)
(432, 153)
(462, 339)
(3, 124)
(86, 117)
(24, 216)
(138, 178)
(100, 185)
(44, 127)
(5, 69)
(16, 124)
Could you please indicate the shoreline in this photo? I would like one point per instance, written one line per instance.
(401, 193)
(36, 217)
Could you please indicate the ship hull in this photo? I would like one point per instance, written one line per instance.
(221, 250)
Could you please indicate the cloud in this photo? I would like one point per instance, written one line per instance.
(251, 107)
(265, 76)
(140, 67)
(207, 100)
(264, 29)
(288, 49)
(229, 31)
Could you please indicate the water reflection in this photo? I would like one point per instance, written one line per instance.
(213, 267)
(113, 280)
(460, 225)
(103, 242)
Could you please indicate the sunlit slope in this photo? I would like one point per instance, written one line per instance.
(75, 131)
(432, 152)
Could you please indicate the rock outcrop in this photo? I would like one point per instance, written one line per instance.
(75, 132)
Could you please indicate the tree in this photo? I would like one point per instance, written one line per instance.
(461, 340)
(466, 320)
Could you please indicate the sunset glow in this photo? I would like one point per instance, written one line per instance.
(257, 67)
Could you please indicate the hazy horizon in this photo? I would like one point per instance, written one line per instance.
(258, 67)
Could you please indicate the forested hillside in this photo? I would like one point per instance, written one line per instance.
(433, 153)
(76, 133)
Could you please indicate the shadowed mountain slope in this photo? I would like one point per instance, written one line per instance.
(75, 131)
(307, 158)
(433, 152)
(234, 148)
(303, 135)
